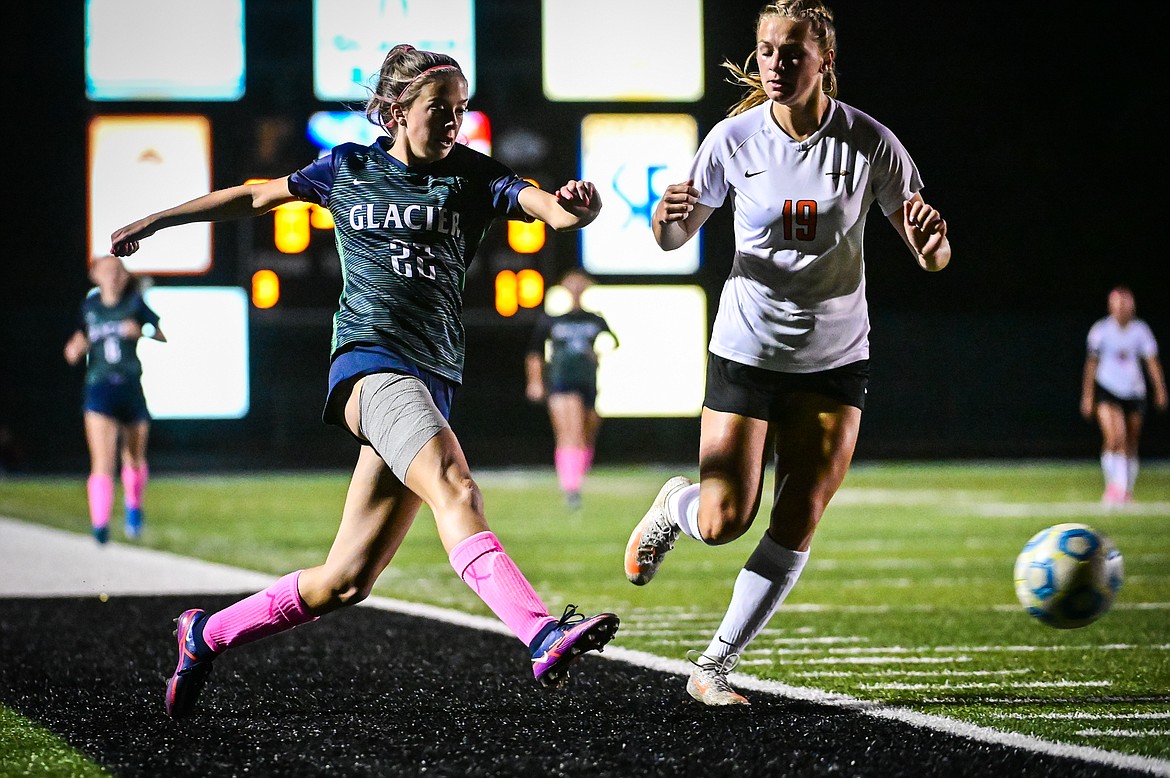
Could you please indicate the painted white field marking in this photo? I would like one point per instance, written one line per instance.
(1142, 733)
(879, 660)
(938, 687)
(1083, 715)
(742, 681)
(907, 673)
(134, 563)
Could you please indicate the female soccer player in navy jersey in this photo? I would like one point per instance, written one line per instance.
(566, 378)
(788, 367)
(112, 319)
(410, 211)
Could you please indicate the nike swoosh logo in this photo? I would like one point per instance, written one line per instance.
(356, 182)
(750, 173)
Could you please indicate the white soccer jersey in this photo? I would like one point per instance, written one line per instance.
(795, 299)
(1121, 351)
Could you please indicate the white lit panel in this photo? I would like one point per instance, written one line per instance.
(631, 159)
(142, 164)
(201, 372)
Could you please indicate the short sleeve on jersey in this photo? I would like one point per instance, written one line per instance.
(707, 171)
(313, 182)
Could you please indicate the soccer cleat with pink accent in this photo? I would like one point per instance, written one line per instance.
(191, 673)
(1114, 495)
(571, 636)
(708, 682)
(653, 537)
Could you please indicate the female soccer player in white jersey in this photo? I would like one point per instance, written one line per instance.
(410, 211)
(112, 318)
(788, 362)
(1113, 388)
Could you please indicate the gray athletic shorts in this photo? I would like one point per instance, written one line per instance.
(398, 417)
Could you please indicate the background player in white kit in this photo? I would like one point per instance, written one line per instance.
(1113, 389)
(790, 348)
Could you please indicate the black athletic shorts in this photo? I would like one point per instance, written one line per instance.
(755, 392)
(1128, 405)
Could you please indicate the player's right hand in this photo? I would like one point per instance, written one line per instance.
(124, 241)
(678, 201)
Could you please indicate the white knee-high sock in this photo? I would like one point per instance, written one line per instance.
(1114, 465)
(1131, 473)
(765, 580)
(683, 507)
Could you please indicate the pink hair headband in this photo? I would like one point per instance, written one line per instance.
(420, 75)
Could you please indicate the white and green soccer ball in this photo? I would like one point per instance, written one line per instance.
(1068, 575)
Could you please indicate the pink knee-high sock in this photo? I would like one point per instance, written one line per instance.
(588, 463)
(564, 469)
(483, 565)
(100, 488)
(277, 608)
(134, 484)
(570, 468)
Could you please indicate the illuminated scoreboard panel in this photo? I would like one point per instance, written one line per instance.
(659, 366)
(351, 38)
(132, 51)
(139, 165)
(201, 372)
(632, 158)
(653, 50)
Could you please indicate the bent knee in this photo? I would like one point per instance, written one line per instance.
(337, 592)
(718, 528)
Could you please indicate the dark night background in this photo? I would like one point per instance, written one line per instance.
(1035, 131)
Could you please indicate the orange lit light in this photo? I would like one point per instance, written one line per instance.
(507, 298)
(526, 237)
(265, 288)
(529, 288)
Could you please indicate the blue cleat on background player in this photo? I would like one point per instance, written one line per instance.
(564, 641)
(133, 522)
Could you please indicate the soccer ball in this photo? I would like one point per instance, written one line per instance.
(1067, 575)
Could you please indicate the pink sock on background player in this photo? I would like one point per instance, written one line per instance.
(588, 463)
(134, 484)
(570, 468)
(564, 468)
(277, 608)
(100, 488)
(483, 565)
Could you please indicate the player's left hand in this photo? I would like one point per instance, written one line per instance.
(581, 199)
(925, 227)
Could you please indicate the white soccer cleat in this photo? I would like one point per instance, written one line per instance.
(654, 536)
(708, 682)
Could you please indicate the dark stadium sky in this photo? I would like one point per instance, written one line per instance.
(1037, 132)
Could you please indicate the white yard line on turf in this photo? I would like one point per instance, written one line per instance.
(37, 561)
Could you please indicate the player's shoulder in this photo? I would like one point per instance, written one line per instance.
(861, 126)
(741, 126)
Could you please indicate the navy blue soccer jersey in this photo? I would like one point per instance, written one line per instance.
(570, 338)
(406, 236)
(111, 357)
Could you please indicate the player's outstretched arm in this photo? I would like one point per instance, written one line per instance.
(678, 215)
(571, 207)
(234, 202)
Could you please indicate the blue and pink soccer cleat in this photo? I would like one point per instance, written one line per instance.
(571, 636)
(194, 666)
